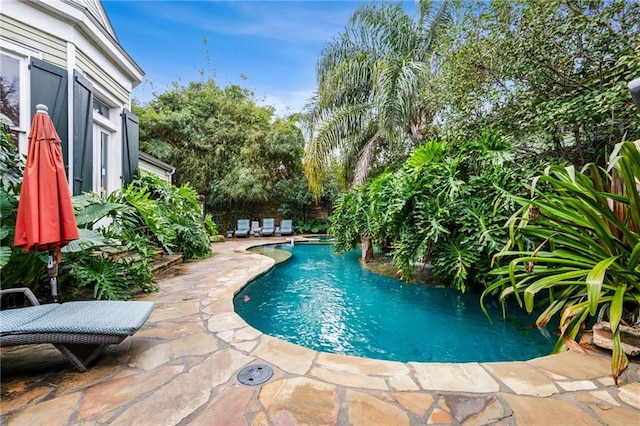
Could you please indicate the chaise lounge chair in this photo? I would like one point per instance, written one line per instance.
(243, 228)
(268, 227)
(286, 227)
(80, 330)
(256, 231)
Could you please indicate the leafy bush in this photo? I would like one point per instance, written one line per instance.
(313, 226)
(85, 262)
(210, 225)
(168, 215)
(587, 229)
(109, 278)
(149, 213)
(443, 208)
(11, 164)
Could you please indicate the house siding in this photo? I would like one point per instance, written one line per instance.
(155, 170)
(75, 36)
(99, 76)
(53, 49)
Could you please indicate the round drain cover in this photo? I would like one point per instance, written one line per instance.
(254, 375)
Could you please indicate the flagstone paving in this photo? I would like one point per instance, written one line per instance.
(181, 369)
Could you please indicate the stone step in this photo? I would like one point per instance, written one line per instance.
(166, 264)
(162, 264)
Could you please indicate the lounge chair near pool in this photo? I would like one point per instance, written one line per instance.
(80, 330)
(256, 231)
(286, 227)
(268, 227)
(243, 228)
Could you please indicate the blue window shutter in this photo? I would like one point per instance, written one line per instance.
(49, 87)
(82, 134)
(130, 136)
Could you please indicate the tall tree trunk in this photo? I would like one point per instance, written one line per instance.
(367, 249)
(360, 176)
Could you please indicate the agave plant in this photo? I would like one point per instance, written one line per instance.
(585, 230)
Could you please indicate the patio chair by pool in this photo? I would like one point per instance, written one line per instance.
(268, 227)
(286, 227)
(243, 228)
(256, 231)
(80, 330)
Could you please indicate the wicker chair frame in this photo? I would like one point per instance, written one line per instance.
(81, 341)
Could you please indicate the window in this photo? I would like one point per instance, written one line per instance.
(15, 90)
(100, 108)
(10, 88)
(104, 135)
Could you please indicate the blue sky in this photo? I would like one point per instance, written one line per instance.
(269, 47)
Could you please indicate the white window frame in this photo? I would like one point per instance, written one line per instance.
(102, 124)
(23, 55)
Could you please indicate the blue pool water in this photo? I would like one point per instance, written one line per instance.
(329, 303)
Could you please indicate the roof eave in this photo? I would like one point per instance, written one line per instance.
(103, 37)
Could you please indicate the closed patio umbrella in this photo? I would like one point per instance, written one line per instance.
(46, 221)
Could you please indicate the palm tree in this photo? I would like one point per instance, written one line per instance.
(370, 81)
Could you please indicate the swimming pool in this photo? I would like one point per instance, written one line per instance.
(329, 303)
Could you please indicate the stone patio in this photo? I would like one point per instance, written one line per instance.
(181, 368)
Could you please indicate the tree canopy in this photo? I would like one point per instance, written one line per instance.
(368, 103)
(550, 74)
(230, 150)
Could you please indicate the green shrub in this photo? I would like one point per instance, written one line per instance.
(313, 226)
(443, 208)
(169, 215)
(587, 228)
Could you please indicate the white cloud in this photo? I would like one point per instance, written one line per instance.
(285, 103)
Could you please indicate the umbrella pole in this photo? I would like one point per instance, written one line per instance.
(52, 271)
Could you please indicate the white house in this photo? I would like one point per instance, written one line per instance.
(65, 54)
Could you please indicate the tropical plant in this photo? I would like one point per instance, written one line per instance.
(442, 208)
(10, 176)
(108, 278)
(369, 102)
(86, 263)
(313, 226)
(168, 215)
(16, 265)
(575, 247)
(210, 225)
(352, 219)
(11, 164)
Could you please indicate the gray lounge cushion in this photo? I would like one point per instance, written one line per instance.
(12, 319)
(117, 318)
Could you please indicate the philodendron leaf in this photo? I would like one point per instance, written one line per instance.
(594, 283)
(5, 255)
(4, 231)
(88, 238)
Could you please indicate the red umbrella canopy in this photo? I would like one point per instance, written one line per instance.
(46, 220)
